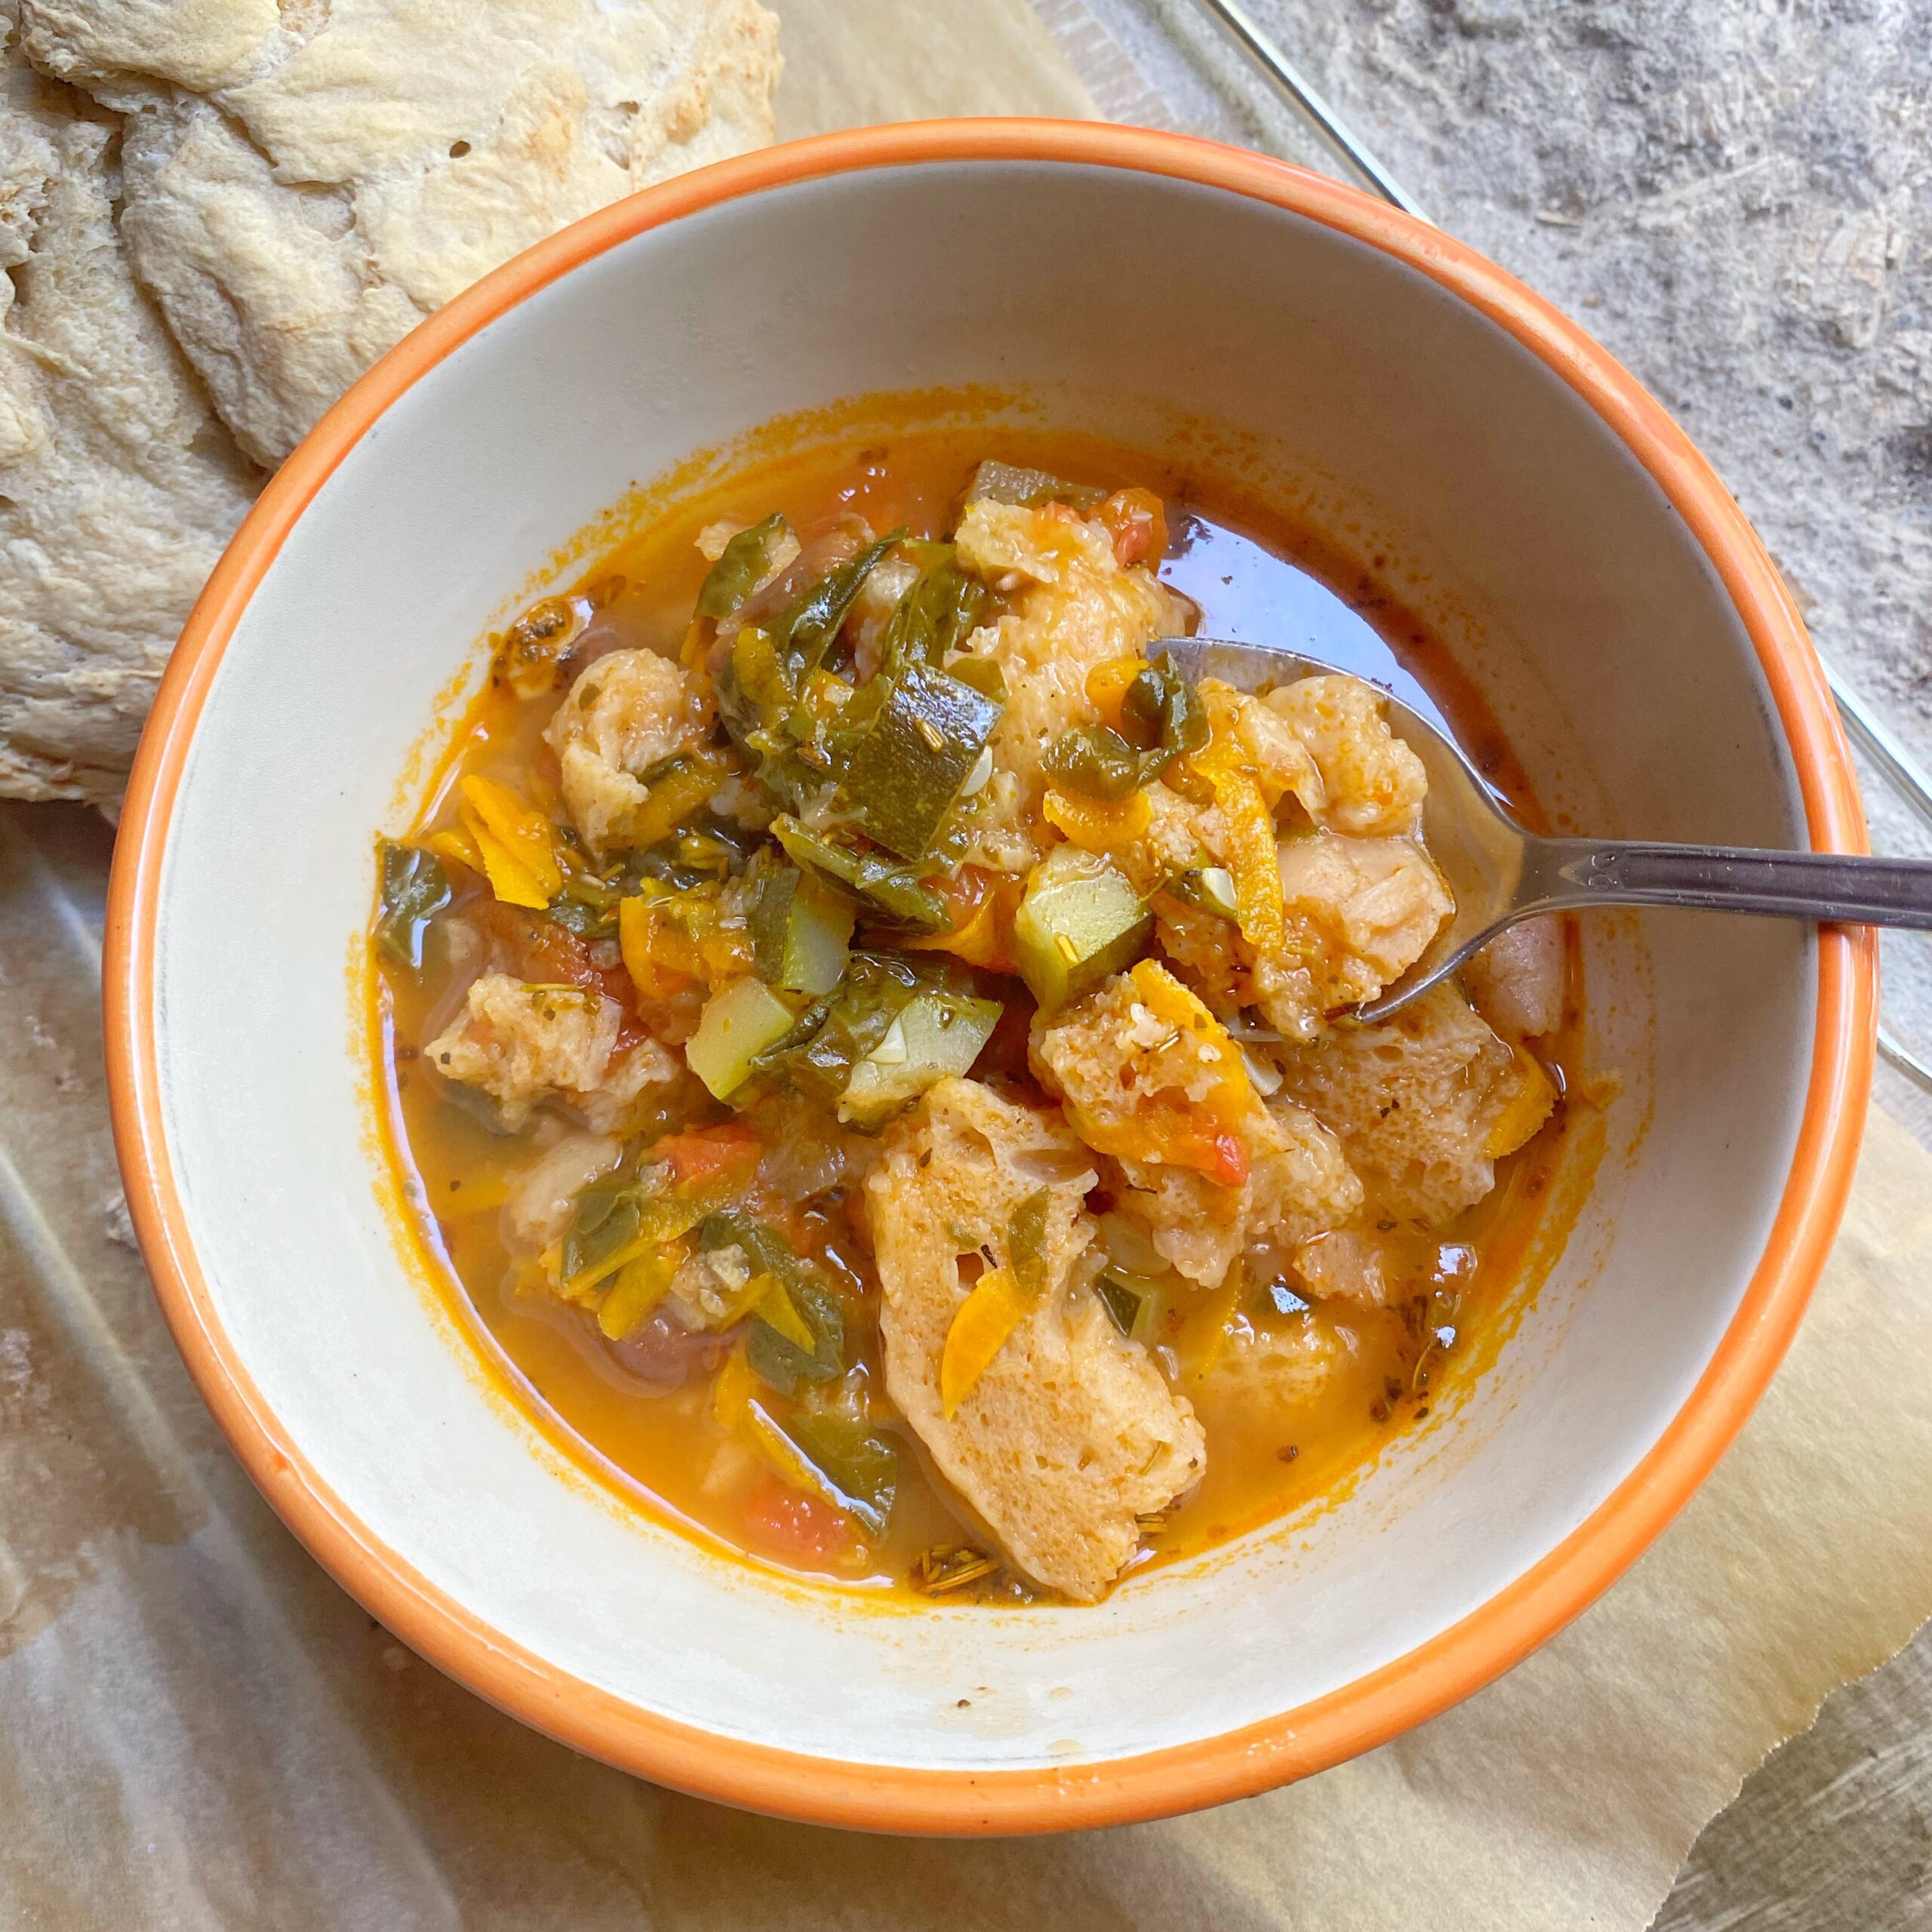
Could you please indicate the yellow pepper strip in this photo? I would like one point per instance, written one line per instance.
(453, 842)
(674, 798)
(1106, 685)
(510, 879)
(979, 1328)
(642, 937)
(1260, 910)
(1095, 827)
(523, 831)
(639, 1288)
(776, 1309)
(1228, 766)
(1216, 1318)
(663, 1224)
(784, 1457)
(1528, 1108)
(1166, 998)
(1209, 1134)
(731, 1393)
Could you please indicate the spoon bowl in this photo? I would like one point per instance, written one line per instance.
(1497, 873)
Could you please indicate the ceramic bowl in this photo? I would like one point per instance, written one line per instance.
(1602, 589)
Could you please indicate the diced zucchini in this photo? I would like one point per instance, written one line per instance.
(802, 932)
(1080, 921)
(739, 1022)
(904, 774)
(934, 1034)
(1002, 483)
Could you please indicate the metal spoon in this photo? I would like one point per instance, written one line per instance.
(1499, 873)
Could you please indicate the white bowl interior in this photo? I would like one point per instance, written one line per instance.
(1513, 516)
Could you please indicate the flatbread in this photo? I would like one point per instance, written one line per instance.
(118, 487)
(218, 214)
(300, 192)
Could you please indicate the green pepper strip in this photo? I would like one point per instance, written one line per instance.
(894, 889)
(1162, 718)
(1027, 1240)
(744, 562)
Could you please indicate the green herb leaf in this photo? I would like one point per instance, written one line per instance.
(936, 616)
(802, 635)
(895, 889)
(746, 560)
(860, 1464)
(1027, 1241)
(1125, 1297)
(415, 889)
(607, 1217)
(902, 775)
(586, 922)
(782, 1363)
(983, 673)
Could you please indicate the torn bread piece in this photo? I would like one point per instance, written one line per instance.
(1068, 1435)
(524, 1044)
(1424, 1103)
(304, 184)
(118, 488)
(1149, 1076)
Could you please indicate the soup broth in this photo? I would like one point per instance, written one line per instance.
(1293, 1385)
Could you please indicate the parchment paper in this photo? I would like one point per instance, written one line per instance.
(852, 63)
(1566, 1794)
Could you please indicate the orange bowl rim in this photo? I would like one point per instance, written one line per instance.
(1359, 1715)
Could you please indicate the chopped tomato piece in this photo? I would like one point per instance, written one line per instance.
(708, 1153)
(1138, 524)
(781, 1518)
(982, 904)
(1230, 1161)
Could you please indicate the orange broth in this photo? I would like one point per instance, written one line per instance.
(1252, 577)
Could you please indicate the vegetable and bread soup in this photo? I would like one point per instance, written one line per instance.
(874, 1047)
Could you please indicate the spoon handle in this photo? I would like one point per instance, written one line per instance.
(1831, 886)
